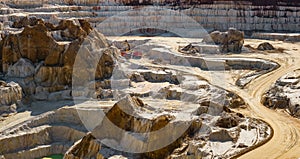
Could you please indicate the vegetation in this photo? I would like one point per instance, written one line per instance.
(54, 157)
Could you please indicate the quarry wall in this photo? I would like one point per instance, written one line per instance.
(271, 16)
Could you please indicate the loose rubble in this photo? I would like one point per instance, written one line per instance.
(284, 94)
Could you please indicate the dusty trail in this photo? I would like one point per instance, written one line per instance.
(286, 140)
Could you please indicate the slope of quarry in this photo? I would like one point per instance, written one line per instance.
(173, 96)
(81, 80)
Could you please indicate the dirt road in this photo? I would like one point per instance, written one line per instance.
(285, 143)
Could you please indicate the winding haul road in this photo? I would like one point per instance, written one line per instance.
(285, 144)
(286, 140)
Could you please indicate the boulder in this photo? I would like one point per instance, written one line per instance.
(70, 54)
(221, 136)
(230, 41)
(10, 97)
(215, 37)
(28, 85)
(201, 110)
(53, 59)
(25, 21)
(228, 120)
(10, 93)
(51, 76)
(295, 110)
(90, 53)
(10, 51)
(87, 147)
(21, 69)
(137, 77)
(265, 46)
(34, 43)
(85, 25)
(160, 76)
(106, 65)
(234, 101)
(189, 49)
(71, 30)
(125, 115)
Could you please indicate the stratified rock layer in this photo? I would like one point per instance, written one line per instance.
(131, 115)
(87, 147)
(251, 15)
(10, 97)
(41, 57)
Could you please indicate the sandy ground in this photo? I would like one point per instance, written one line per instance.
(286, 140)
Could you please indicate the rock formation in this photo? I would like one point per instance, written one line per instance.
(284, 94)
(228, 120)
(87, 147)
(129, 115)
(41, 57)
(10, 97)
(230, 41)
(50, 133)
(265, 46)
(248, 15)
(189, 49)
(26, 21)
(132, 115)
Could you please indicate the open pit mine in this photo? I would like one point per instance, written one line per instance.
(149, 79)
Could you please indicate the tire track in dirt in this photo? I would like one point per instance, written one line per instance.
(285, 142)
